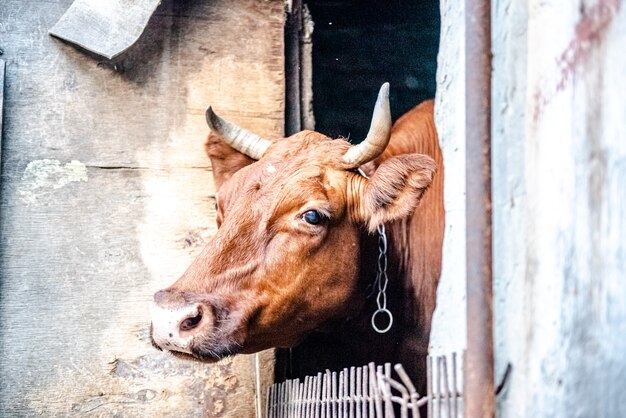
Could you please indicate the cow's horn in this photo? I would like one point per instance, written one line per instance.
(243, 141)
(378, 136)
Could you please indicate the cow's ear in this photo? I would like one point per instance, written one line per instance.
(395, 188)
(225, 160)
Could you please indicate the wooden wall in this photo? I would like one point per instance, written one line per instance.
(105, 199)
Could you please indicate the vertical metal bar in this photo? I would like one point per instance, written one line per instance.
(345, 403)
(307, 118)
(406, 380)
(302, 408)
(439, 391)
(366, 393)
(287, 385)
(478, 386)
(429, 386)
(295, 386)
(404, 402)
(281, 397)
(269, 402)
(309, 398)
(257, 383)
(334, 386)
(293, 28)
(277, 402)
(386, 394)
(342, 390)
(324, 397)
(351, 393)
(446, 387)
(303, 395)
(286, 398)
(274, 406)
(331, 397)
(379, 370)
(374, 385)
(365, 390)
(294, 395)
(388, 404)
(358, 393)
(455, 389)
(318, 395)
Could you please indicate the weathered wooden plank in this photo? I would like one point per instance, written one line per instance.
(1, 103)
(105, 199)
(105, 28)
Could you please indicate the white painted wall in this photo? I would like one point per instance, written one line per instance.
(448, 326)
(559, 196)
(510, 52)
(559, 176)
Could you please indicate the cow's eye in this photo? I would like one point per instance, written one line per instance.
(313, 217)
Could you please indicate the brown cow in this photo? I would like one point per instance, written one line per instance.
(296, 248)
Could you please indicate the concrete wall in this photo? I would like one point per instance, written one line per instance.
(448, 329)
(559, 203)
(559, 153)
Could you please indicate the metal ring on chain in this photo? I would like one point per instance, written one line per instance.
(381, 280)
(376, 327)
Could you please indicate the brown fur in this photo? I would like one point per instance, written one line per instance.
(415, 266)
(418, 241)
(271, 279)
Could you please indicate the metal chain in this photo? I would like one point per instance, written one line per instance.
(381, 280)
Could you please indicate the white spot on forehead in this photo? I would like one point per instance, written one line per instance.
(270, 169)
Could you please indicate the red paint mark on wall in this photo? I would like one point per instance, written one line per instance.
(588, 32)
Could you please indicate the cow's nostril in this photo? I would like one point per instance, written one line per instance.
(191, 323)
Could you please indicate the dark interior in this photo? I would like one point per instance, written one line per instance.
(360, 44)
(357, 46)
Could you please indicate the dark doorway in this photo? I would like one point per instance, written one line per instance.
(360, 44)
(357, 46)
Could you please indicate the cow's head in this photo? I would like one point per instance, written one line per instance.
(285, 259)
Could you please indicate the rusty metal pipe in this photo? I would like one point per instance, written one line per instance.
(479, 398)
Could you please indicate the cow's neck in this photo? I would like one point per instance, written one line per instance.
(353, 342)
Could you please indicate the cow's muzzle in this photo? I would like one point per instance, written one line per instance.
(176, 323)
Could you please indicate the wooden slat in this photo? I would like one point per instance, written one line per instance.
(1, 102)
(105, 199)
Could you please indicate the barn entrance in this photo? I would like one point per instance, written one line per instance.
(107, 195)
(356, 46)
